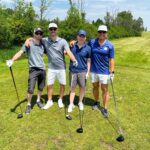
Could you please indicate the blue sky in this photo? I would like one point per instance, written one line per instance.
(96, 8)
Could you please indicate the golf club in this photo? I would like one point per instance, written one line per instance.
(21, 114)
(81, 114)
(120, 138)
(68, 116)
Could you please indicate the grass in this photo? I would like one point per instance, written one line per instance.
(45, 130)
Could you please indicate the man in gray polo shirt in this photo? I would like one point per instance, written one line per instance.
(36, 67)
(55, 48)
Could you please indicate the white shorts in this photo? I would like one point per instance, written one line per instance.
(101, 78)
(60, 75)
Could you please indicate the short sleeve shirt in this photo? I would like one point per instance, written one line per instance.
(100, 55)
(35, 55)
(55, 52)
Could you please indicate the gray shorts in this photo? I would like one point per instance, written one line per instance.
(77, 78)
(38, 75)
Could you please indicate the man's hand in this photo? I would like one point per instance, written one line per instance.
(75, 63)
(87, 75)
(112, 76)
(71, 44)
(9, 62)
(27, 42)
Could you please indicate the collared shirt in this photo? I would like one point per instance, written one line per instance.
(100, 55)
(55, 52)
(81, 55)
(35, 54)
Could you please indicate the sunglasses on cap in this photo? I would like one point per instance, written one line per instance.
(52, 29)
(101, 31)
(38, 33)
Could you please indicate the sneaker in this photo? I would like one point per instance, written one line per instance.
(48, 104)
(81, 107)
(40, 105)
(95, 106)
(28, 109)
(104, 112)
(70, 108)
(60, 103)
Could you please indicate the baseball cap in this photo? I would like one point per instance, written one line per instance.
(53, 25)
(82, 32)
(102, 28)
(38, 30)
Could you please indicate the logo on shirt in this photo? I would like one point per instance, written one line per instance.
(105, 48)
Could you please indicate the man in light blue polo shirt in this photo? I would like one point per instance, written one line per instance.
(78, 74)
(102, 66)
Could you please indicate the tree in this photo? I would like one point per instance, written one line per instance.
(44, 5)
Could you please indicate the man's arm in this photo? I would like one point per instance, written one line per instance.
(88, 65)
(112, 65)
(70, 54)
(17, 55)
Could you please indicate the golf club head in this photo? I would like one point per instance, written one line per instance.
(68, 117)
(20, 116)
(120, 138)
(79, 130)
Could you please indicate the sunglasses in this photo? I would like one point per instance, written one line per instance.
(52, 29)
(102, 32)
(82, 36)
(39, 33)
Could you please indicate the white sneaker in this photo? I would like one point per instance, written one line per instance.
(60, 103)
(70, 108)
(48, 104)
(81, 107)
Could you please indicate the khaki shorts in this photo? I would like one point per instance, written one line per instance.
(77, 78)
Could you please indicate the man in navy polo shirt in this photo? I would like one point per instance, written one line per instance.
(78, 74)
(102, 67)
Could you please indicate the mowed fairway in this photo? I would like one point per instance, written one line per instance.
(48, 129)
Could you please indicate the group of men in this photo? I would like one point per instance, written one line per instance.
(95, 57)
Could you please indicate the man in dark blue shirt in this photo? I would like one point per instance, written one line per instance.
(78, 74)
(102, 66)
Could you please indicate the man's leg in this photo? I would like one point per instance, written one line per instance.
(105, 95)
(31, 85)
(61, 76)
(41, 85)
(73, 82)
(50, 81)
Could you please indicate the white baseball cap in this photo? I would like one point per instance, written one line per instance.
(102, 28)
(53, 25)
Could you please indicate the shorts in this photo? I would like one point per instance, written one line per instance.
(36, 74)
(60, 75)
(77, 78)
(101, 78)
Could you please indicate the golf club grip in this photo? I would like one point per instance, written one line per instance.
(14, 83)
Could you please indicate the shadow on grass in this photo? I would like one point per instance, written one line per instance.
(87, 101)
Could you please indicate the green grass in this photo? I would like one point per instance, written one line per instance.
(45, 130)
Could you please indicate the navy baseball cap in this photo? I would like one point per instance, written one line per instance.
(82, 32)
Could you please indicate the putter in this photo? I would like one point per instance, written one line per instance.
(81, 112)
(20, 115)
(120, 138)
(68, 116)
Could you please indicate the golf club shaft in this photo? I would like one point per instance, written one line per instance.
(15, 87)
(116, 109)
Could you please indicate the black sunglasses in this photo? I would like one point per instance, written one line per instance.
(38, 33)
(51, 29)
(101, 31)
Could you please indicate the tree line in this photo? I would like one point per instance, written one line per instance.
(16, 24)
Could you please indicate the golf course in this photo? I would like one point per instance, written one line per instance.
(50, 130)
